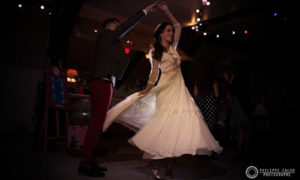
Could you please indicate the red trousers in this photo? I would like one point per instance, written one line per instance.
(101, 94)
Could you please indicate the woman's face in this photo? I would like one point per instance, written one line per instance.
(167, 34)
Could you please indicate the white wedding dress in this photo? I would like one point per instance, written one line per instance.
(166, 120)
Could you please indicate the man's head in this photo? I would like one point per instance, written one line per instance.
(111, 24)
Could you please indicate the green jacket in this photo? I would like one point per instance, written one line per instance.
(111, 59)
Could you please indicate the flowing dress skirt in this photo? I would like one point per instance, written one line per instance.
(166, 120)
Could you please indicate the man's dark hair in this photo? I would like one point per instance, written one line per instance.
(109, 20)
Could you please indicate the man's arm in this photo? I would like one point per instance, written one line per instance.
(128, 25)
(132, 21)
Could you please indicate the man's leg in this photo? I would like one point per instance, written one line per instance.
(101, 94)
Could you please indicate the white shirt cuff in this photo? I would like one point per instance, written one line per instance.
(145, 12)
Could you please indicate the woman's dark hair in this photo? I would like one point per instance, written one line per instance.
(158, 48)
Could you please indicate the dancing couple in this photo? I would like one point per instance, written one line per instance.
(166, 120)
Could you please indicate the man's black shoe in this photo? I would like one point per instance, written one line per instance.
(95, 166)
(90, 171)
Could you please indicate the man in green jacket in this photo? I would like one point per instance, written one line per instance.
(110, 64)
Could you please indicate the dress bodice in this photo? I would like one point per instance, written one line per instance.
(168, 65)
(169, 60)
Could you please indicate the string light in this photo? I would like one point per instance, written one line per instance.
(246, 32)
(217, 36)
(205, 33)
(200, 24)
(198, 19)
(197, 11)
(42, 7)
(233, 32)
(20, 5)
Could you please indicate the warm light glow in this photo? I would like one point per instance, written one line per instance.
(193, 20)
(68, 79)
(233, 32)
(205, 33)
(127, 41)
(193, 27)
(73, 80)
(95, 30)
(246, 32)
(147, 56)
(72, 72)
(20, 5)
(197, 10)
(198, 19)
(208, 3)
(42, 7)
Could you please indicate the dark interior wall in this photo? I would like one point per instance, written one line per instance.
(26, 40)
(261, 59)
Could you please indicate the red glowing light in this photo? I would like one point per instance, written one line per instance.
(127, 50)
(245, 32)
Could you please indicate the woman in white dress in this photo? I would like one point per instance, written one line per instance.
(165, 117)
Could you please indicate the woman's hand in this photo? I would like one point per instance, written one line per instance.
(178, 62)
(144, 91)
